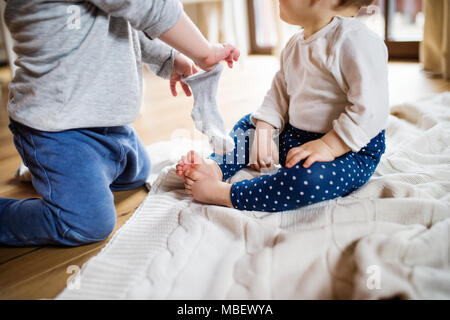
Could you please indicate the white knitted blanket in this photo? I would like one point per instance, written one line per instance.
(389, 239)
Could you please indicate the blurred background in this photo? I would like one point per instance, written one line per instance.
(399, 22)
(254, 25)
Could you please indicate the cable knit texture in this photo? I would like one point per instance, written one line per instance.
(389, 239)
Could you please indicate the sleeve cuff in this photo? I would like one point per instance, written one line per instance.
(269, 116)
(169, 16)
(353, 135)
(167, 66)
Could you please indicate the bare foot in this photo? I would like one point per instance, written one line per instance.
(193, 162)
(207, 189)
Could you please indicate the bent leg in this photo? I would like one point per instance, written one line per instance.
(134, 166)
(288, 189)
(72, 171)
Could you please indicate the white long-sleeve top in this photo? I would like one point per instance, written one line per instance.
(335, 79)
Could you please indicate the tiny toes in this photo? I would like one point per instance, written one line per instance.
(192, 175)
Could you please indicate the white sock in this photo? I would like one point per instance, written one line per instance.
(206, 113)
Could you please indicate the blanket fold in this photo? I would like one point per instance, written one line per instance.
(389, 239)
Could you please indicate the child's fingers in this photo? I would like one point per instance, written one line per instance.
(291, 154)
(297, 157)
(236, 54)
(263, 164)
(186, 89)
(232, 54)
(256, 166)
(192, 175)
(189, 182)
(267, 164)
(269, 161)
(180, 169)
(173, 87)
(310, 160)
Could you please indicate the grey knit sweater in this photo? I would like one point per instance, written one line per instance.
(79, 62)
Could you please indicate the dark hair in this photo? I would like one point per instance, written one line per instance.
(356, 3)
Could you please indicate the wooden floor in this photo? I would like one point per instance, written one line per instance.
(40, 272)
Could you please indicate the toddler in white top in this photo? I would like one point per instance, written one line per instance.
(329, 104)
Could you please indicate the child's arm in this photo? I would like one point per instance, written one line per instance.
(361, 68)
(334, 143)
(186, 38)
(166, 20)
(157, 55)
(151, 16)
(166, 62)
(264, 151)
(269, 118)
(183, 67)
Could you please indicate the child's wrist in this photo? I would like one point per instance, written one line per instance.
(335, 143)
(330, 150)
(260, 124)
(205, 56)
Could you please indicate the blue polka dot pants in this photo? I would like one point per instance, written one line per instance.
(287, 189)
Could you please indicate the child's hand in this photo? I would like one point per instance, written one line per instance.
(313, 151)
(182, 67)
(264, 151)
(219, 52)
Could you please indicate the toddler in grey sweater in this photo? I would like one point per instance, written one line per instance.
(72, 100)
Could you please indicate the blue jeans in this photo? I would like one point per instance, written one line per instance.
(287, 189)
(75, 172)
